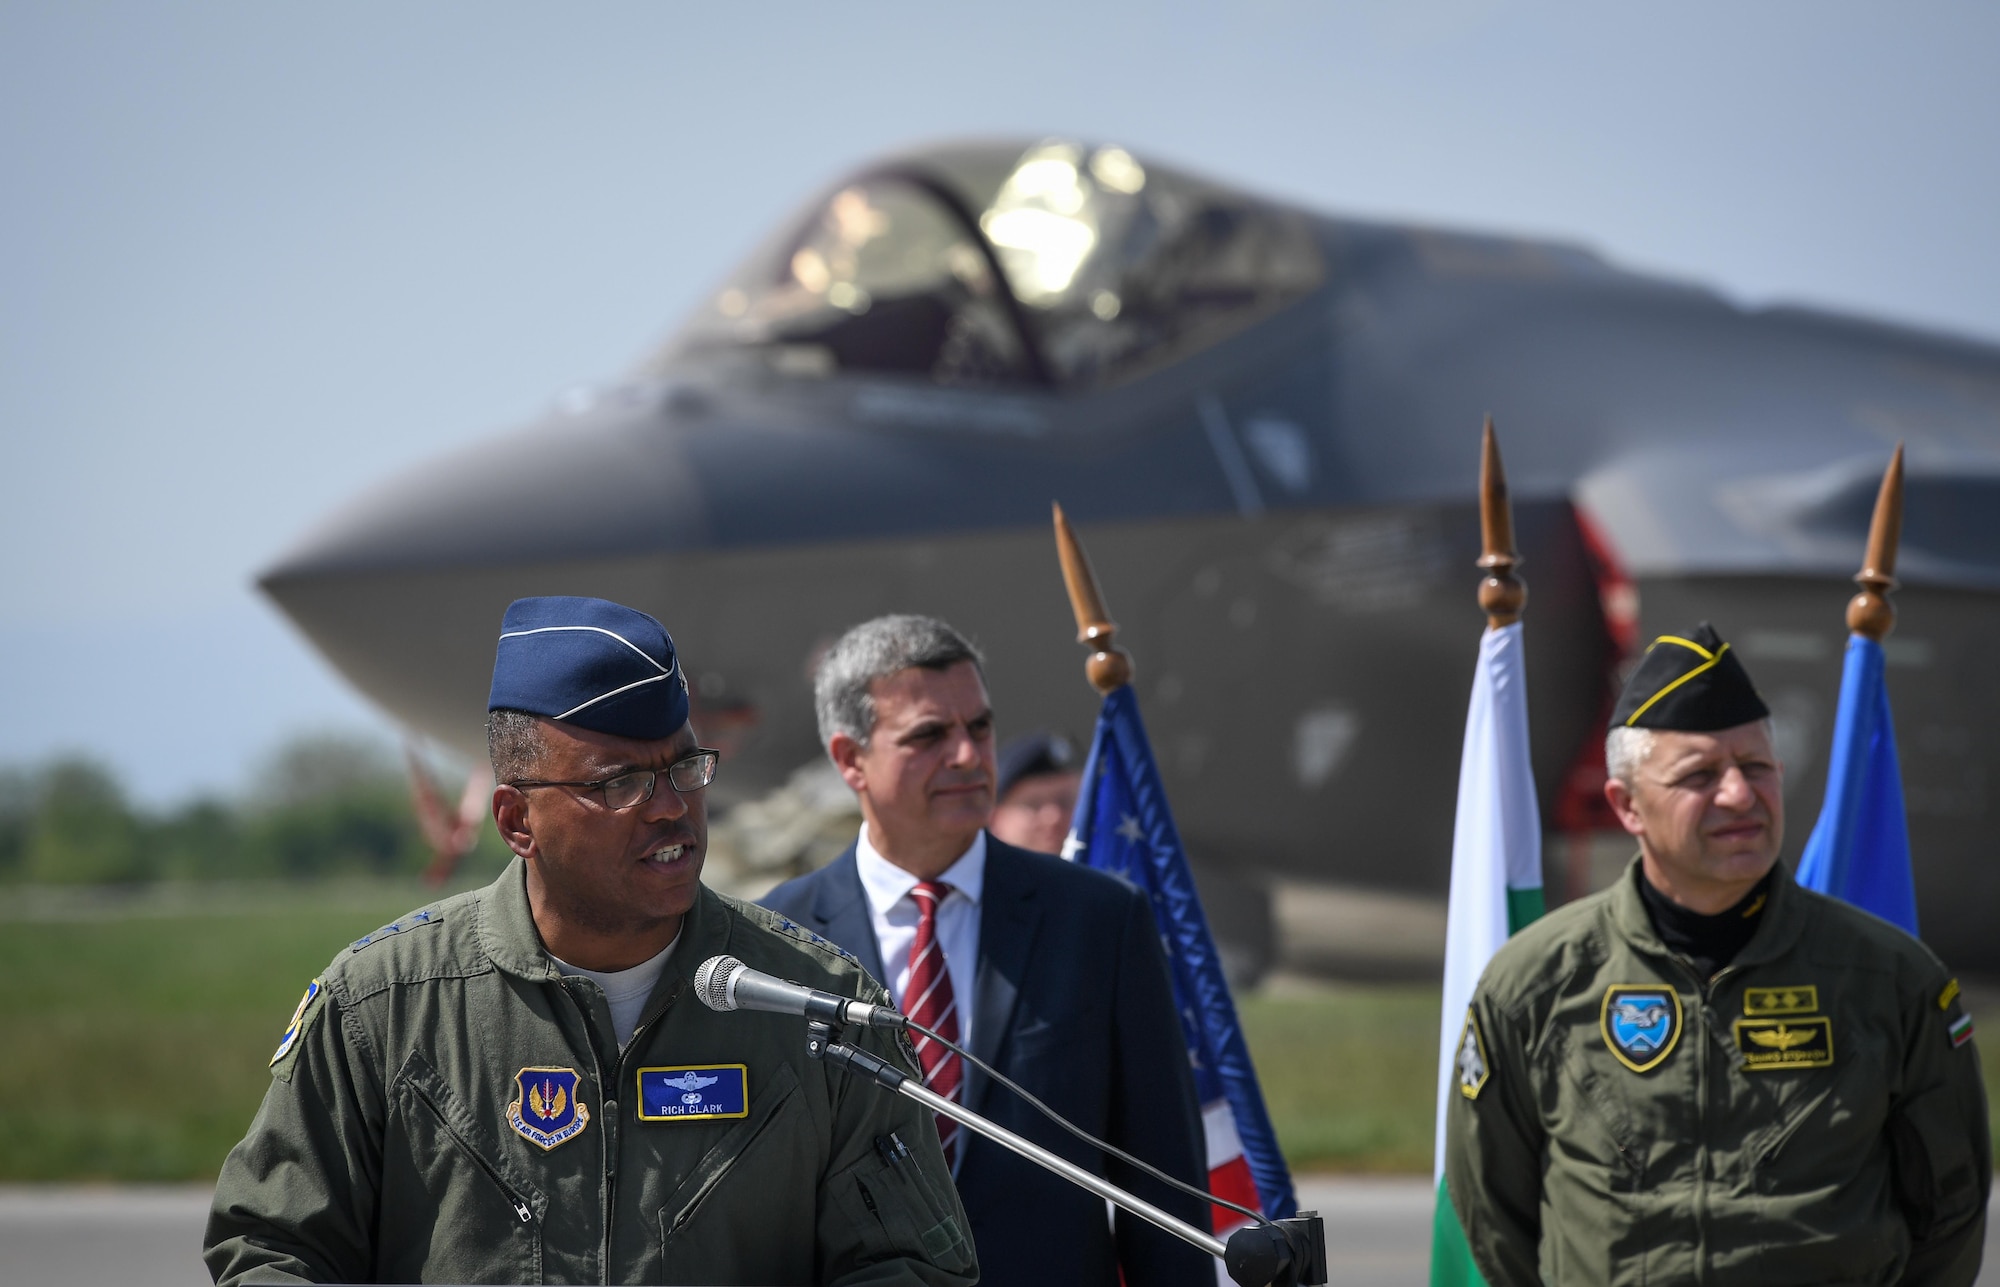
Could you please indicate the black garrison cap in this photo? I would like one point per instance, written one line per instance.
(1034, 755)
(1691, 683)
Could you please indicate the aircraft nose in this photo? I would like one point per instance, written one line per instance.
(609, 482)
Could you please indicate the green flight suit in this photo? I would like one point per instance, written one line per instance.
(1812, 1114)
(389, 1147)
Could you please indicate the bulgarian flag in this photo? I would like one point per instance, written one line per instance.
(1496, 885)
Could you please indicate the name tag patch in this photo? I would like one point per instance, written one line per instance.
(1776, 1045)
(1762, 1002)
(702, 1092)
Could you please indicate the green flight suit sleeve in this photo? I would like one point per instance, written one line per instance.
(1494, 1144)
(1938, 1137)
(295, 1201)
(889, 1212)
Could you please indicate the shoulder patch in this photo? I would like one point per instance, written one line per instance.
(1957, 1023)
(1473, 1069)
(1949, 995)
(401, 925)
(302, 1019)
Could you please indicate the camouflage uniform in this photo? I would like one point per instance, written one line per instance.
(1811, 1114)
(447, 1107)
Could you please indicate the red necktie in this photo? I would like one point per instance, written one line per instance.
(927, 999)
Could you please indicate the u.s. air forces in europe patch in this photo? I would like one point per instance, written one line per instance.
(548, 1111)
(1641, 1023)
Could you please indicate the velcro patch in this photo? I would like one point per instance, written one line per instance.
(302, 1015)
(1778, 1045)
(701, 1092)
(1761, 1002)
(1961, 1030)
(1473, 1070)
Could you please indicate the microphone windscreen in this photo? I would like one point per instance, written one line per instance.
(712, 980)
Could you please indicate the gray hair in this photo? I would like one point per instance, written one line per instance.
(514, 744)
(1625, 749)
(876, 650)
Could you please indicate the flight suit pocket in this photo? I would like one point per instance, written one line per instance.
(895, 1209)
(444, 1174)
(775, 1102)
(1937, 1176)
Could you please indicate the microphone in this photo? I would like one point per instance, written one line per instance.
(724, 983)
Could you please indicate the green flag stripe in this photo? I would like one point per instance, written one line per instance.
(1451, 1257)
(1524, 906)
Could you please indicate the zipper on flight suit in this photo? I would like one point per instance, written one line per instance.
(520, 1205)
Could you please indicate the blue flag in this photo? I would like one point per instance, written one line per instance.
(1860, 849)
(1123, 826)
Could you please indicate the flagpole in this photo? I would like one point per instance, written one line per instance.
(1496, 835)
(1870, 613)
(1109, 667)
(1502, 595)
(1859, 849)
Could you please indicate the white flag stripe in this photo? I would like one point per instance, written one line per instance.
(1496, 841)
(1218, 1124)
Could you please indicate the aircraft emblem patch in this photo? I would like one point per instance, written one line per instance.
(699, 1093)
(548, 1111)
(297, 1024)
(1641, 1023)
(1473, 1070)
(1778, 1045)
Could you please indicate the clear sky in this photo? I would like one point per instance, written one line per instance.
(255, 257)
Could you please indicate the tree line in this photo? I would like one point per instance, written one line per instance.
(324, 805)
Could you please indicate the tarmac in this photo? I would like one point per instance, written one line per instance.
(1377, 1233)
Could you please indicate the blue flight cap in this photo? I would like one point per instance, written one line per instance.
(592, 663)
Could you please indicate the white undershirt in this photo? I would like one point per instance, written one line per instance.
(893, 914)
(625, 990)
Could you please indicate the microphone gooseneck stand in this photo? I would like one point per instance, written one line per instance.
(1277, 1253)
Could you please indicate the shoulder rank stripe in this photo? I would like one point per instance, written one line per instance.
(1950, 994)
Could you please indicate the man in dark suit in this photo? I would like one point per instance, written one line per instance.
(1051, 972)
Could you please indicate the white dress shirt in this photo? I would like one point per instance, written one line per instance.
(893, 914)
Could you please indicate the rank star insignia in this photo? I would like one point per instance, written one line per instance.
(1641, 1024)
(1473, 1073)
(548, 1111)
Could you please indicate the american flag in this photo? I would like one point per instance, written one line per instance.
(1123, 826)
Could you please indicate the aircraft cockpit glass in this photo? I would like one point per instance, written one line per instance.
(1105, 267)
(886, 278)
(1120, 266)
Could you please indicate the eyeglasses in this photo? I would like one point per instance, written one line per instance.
(629, 790)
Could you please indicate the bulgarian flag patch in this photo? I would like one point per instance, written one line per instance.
(1961, 1030)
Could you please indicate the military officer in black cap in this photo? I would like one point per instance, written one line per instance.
(1707, 1073)
(518, 1085)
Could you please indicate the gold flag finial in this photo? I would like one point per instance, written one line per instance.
(1870, 612)
(1501, 594)
(1109, 666)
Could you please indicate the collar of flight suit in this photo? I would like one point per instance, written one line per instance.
(1779, 926)
(507, 932)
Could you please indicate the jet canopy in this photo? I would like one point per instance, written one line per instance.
(1056, 265)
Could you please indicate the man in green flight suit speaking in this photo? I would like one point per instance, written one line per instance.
(1706, 1073)
(518, 1085)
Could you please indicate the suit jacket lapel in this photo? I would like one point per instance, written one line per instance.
(841, 908)
(1008, 916)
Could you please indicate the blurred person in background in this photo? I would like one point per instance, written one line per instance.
(1039, 776)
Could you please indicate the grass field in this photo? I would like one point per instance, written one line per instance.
(134, 1038)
